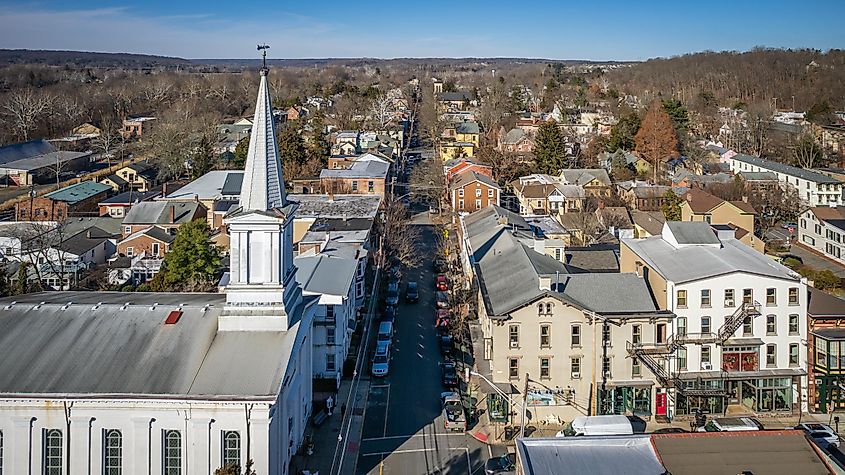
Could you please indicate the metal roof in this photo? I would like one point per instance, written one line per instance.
(263, 186)
(130, 197)
(596, 455)
(158, 212)
(115, 344)
(359, 169)
(78, 192)
(210, 186)
(785, 169)
(23, 150)
(692, 232)
(326, 275)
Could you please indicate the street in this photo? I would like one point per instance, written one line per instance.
(403, 431)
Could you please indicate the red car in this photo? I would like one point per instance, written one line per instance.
(442, 284)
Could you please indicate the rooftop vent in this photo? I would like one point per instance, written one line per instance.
(95, 307)
(125, 306)
(11, 304)
(153, 307)
(38, 306)
(173, 317)
(66, 306)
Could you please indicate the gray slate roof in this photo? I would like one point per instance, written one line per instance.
(581, 177)
(757, 176)
(210, 186)
(466, 178)
(785, 169)
(365, 169)
(158, 212)
(130, 197)
(692, 232)
(467, 128)
(339, 206)
(326, 275)
(61, 349)
(82, 242)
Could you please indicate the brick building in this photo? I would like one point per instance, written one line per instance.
(473, 191)
(74, 200)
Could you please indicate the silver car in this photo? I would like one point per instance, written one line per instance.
(820, 433)
(381, 363)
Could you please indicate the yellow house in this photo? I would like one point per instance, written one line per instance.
(699, 205)
(139, 176)
(450, 150)
(468, 132)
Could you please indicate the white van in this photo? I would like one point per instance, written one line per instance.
(597, 425)
(731, 424)
(385, 336)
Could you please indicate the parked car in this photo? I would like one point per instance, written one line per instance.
(501, 465)
(440, 264)
(822, 434)
(441, 283)
(389, 314)
(446, 345)
(381, 363)
(384, 337)
(449, 375)
(670, 430)
(597, 425)
(453, 411)
(412, 294)
(441, 299)
(789, 224)
(731, 424)
(392, 294)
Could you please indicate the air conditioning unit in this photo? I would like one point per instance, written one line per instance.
(514, 344)
(706, 366)
(576, 375)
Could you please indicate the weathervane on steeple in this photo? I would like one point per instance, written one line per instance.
(263, 48)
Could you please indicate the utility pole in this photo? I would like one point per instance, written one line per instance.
(524, 405)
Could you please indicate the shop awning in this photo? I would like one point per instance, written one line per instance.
(637, 383)
(737, 375)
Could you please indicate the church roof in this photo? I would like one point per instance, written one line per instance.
(263, 186)
(114, 344)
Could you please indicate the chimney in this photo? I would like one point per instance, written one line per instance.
(172, 213)
(545, 283)
(88, 234)
(540, 246)
(164, 189)
(196, 198)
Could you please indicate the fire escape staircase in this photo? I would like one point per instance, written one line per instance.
(651, 356)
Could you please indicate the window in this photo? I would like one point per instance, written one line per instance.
(461, 192)
(682, 299)
(172, 453)
(155, 248)
(513, 368)
(747, 296)
(729, 297)
(330, 333)
(545, 335)
(705, 297)
(793, 354)
(605, 366)
(660, 333)
(636, 334)
(53, 447)
(636, 369)
(330, 362)
(330, 313)
(130, 252)
(490, 193)
(771, 355)
(705, 324)
(771, 297)
(478, 192)
(232, 448)
(575, 367)
(682, 358)
(576, 335)
(477, 204)
(354, 185)
(370, 186)
(793, 296)
(747, 327)
(605, 334)
(705, 357)
(793, 324)
(112, 452)
(771, 324)
(545, 368)
(513, 336)
(127, 230)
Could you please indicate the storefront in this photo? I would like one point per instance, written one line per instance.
(828, 367)
(627, 398)
(759, 395)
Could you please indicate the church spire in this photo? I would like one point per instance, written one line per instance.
(263, 187)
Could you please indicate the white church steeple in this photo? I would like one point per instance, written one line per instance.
(262, 293)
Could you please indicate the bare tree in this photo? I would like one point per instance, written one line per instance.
(108, 140)
(806, 151)
(381, 110)
(427, 180)
(398, 236)
(24, 107)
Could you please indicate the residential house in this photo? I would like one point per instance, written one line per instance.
(822, 229)
(642, 196)
(455, 101)
(153, 241)
(684, 178)
(468, 132)
(217, 190)
(545, 194)
(332, 281)
(139, 176)
(455, 167)
(472, 191)
(230, 135)
(736, 344)
(296, 112)
(813, 188)
(516, 141)
(647, 223)
(595, 181)
(74, 200)
(346, 161)
(615, 220)
(346, 142)
(825, 350)
(699, 205)
(450, 149)
(39, 162)
(761, 185)
(136, 126)
(117, 206)
(168, 215)
(365, 178)
(538, 320)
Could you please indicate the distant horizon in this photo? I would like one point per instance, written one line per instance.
(615, 30)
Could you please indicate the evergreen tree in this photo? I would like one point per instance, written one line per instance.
(202, 160)
(671, 206)
(679, 115)
(549, 148)
(622, 134)
(318, 146)
(291, 146)
(192, 261)
(241, 150)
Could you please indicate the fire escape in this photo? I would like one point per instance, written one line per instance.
(650, 355)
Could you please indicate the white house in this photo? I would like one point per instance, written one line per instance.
(168, 383)
(332, 280)
(814, 188)
(823, 228)
(739, 338)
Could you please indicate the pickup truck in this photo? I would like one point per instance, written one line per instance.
(453, 411)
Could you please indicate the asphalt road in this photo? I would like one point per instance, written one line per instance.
(403, 431)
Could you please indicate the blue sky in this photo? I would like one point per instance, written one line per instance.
(564, 29)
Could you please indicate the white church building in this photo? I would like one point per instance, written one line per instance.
(168, 383)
